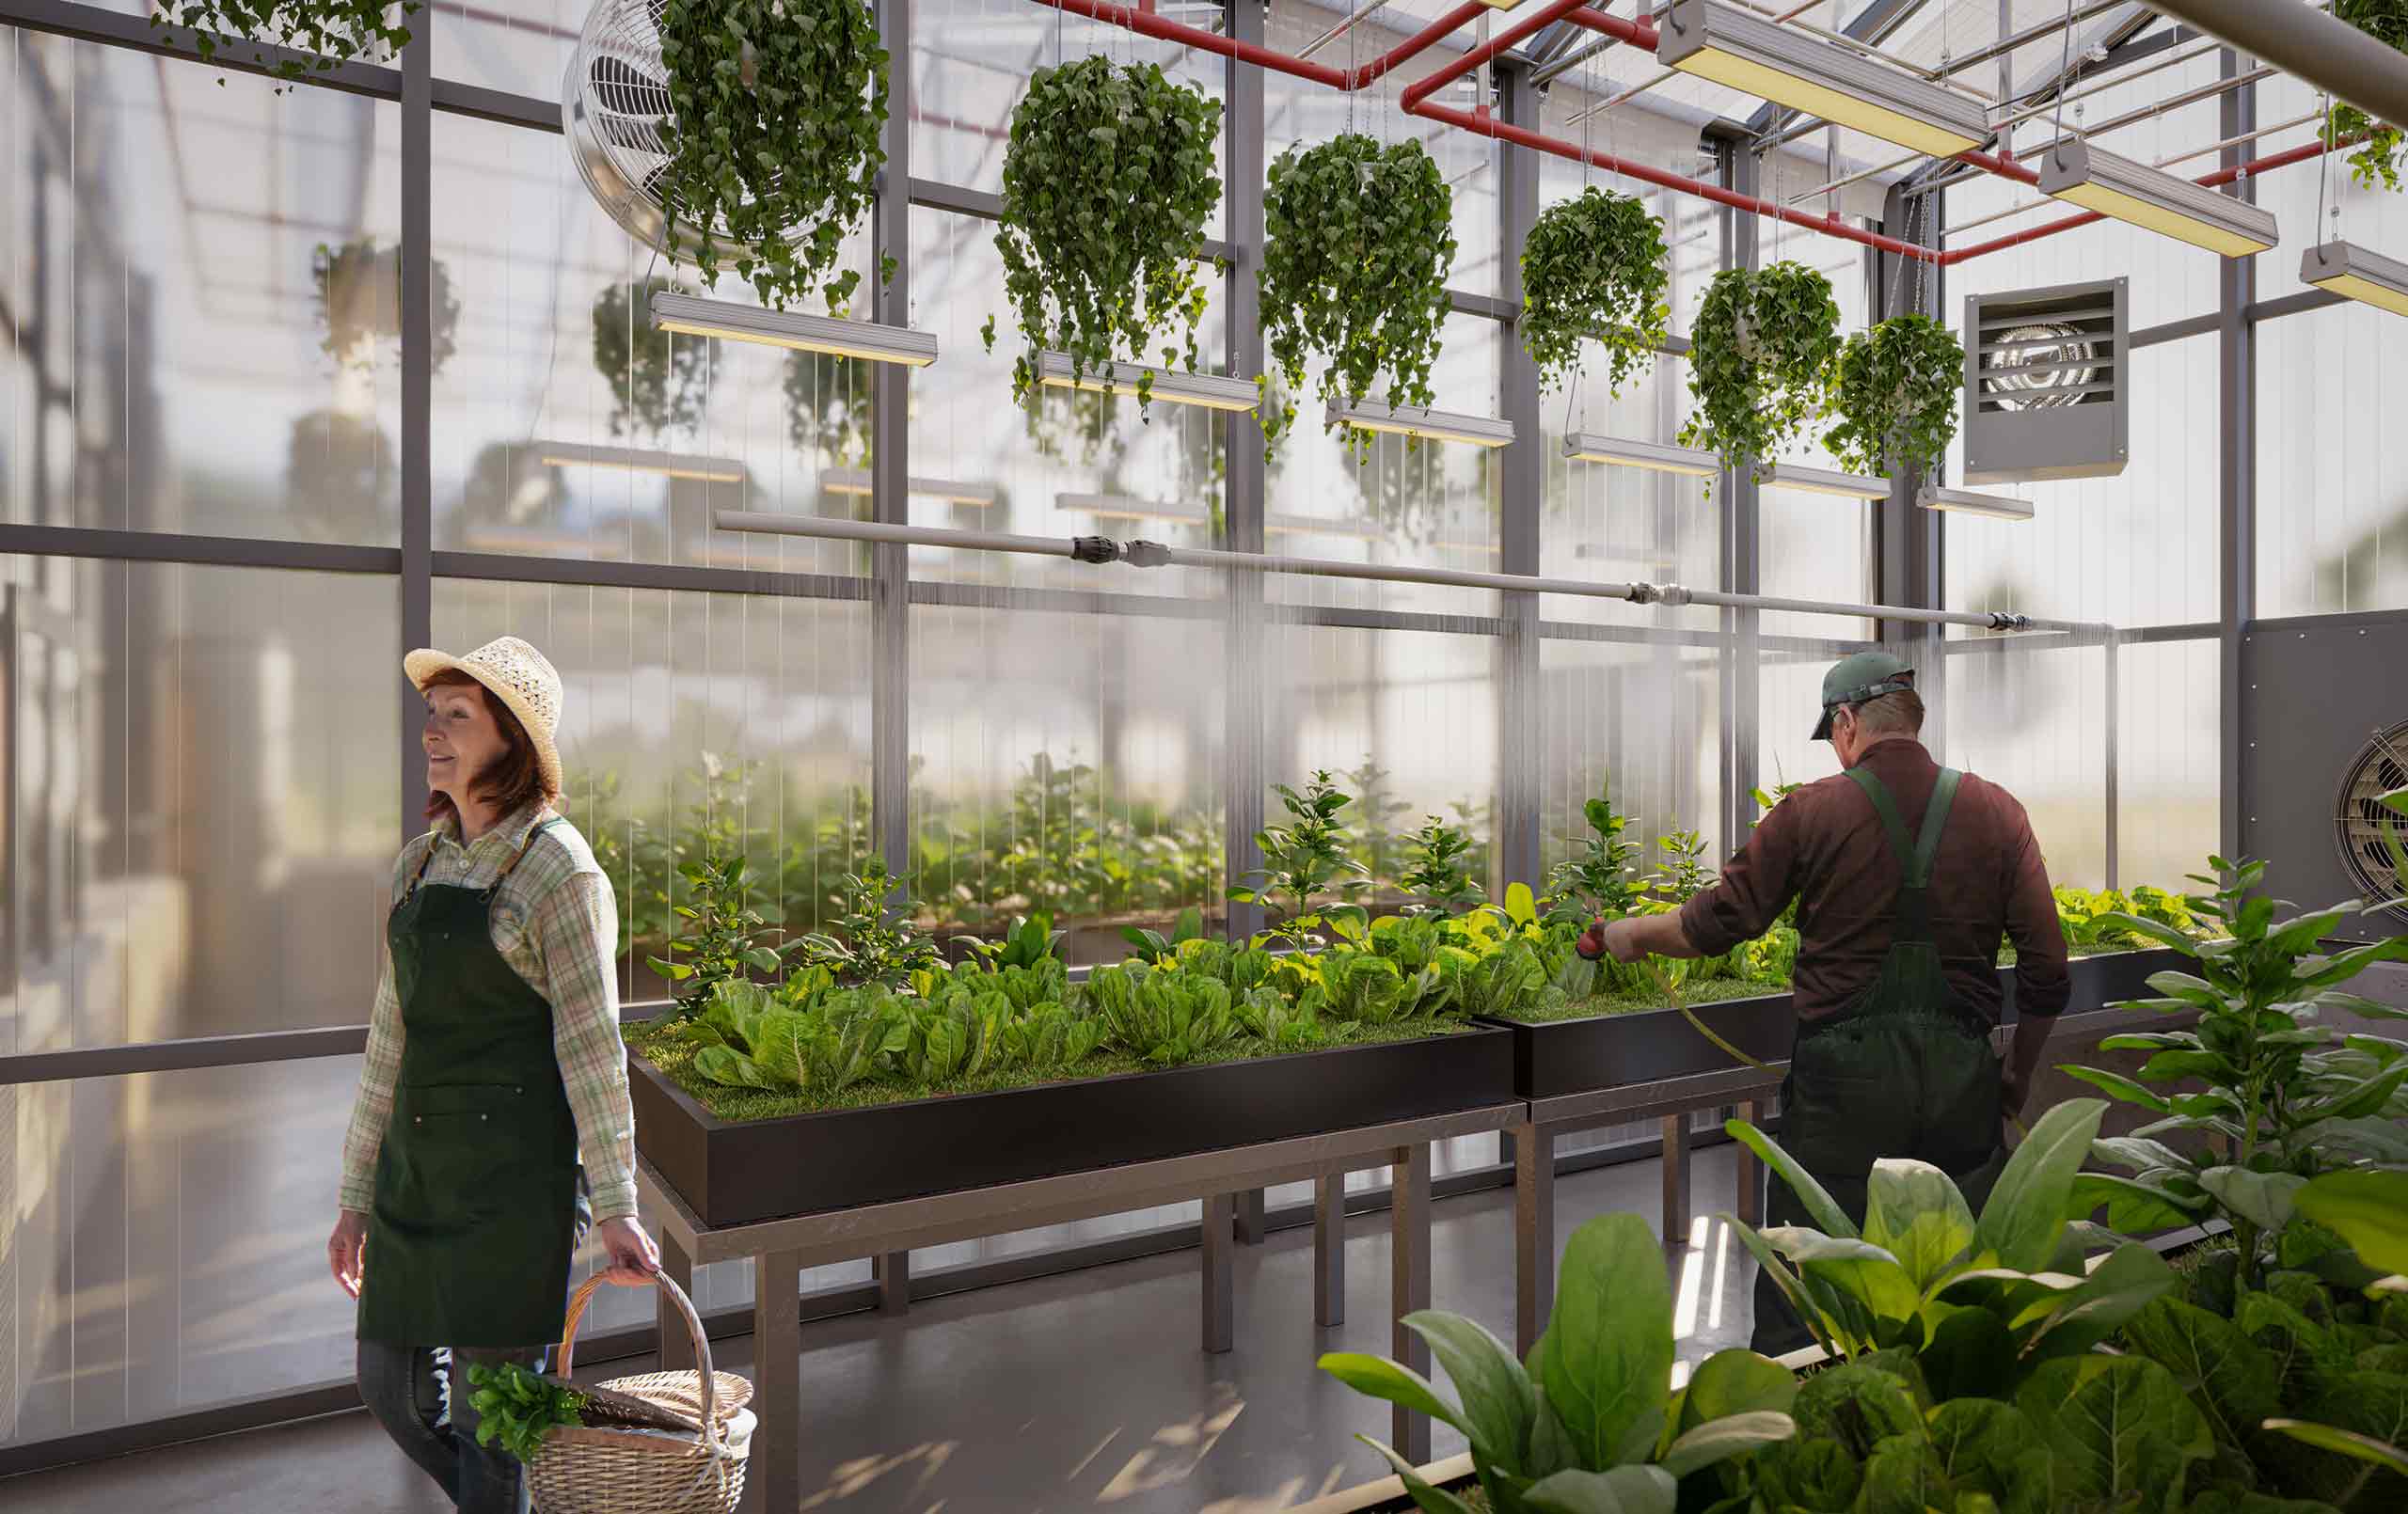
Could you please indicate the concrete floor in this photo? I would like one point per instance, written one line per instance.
(1083, 1391)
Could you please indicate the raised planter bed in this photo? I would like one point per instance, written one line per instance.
(1578, 1056)
(738, 1171)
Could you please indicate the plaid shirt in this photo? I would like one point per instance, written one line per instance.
(557, 923)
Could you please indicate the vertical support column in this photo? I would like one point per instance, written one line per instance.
(1676, 1180)
(1329, 1249)
(1241, 437)
(1741, 511)
(1252, 1216)
(1533, 1234)
(777, 1379)
(1751, 1209)
(2236, 468)
(418, 397)
(677, 1345)
(1521, 478)
(1220, 1294)
(2114, 759)
(892, 1273)
(1409, 1275)
(1907, 539)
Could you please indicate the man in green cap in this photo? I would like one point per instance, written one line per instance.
(1907, 875)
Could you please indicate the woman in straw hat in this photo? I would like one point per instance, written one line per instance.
(494, 1060)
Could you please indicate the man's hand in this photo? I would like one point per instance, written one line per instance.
(2015, 1086)
(1620, 937)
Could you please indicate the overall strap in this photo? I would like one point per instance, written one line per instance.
(1912, 914)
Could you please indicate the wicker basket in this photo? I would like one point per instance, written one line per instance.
(593, 1469)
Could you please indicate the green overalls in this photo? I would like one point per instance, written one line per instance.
(1904, 1071)
(476, 1181)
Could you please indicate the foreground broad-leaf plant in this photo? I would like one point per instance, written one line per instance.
(1591, 1422)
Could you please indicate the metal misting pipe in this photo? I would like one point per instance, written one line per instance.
(1560, 67)
(1143, 554)
(1345, 24)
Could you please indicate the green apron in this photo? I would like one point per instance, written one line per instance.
(474, 1221)
(1907, 1070)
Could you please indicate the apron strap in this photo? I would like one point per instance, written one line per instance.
(507, 868)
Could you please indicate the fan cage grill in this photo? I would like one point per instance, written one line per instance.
(2365, 831)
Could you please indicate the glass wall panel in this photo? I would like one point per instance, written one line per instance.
(693, 723)
(2032, 715)
(201, 799)
(200, 300)
(2167, 744)
(1645, 720)
(2332, 463)
(1817, 546)
(521, 46)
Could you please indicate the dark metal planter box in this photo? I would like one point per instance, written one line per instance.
(1579, 1056)
(737, 1171)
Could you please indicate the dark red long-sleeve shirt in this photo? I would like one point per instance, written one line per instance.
(1824, 845)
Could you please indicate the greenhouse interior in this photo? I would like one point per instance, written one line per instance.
(902, 755)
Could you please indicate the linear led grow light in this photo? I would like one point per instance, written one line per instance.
(1784, 65)
(640, 460)
(2346, 268)
(1434, 425)
(1354, 531)
(2097, 180)
(1995, 506)
(953, 491)
(865, 340)
(1214, 391)
(1129, 507)
(1826, 480)
(1622, 452)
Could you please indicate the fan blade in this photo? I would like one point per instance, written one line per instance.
(621, 87)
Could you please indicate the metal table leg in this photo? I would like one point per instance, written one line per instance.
(1676, 1180)
(1329, 1250)
(1752, 1181)
(892, 1272)
(777, 1381)
(677, 1345)
(1409, 1271)
(1252, 1226)
(1533, 1234)
(1220, 1304)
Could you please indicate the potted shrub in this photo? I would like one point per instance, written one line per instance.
(1594, 269)
(334, 31)
(1895, 390)
(1760, 361)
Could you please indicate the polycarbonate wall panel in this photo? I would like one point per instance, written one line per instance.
(199, 765)
(2319, 199)
(168, 363)
(2031, 716)
(1813, 545)
(2332, 463)
(2167, 744)
(696, 721)
(1645, 720)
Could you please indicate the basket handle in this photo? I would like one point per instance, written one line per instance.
(712, 1434)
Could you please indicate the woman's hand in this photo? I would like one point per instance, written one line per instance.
(347, 1248)
(634, 1259)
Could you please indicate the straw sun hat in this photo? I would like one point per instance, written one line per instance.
(520, 677)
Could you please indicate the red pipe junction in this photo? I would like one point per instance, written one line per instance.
(1415, 100)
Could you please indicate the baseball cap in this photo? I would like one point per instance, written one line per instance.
(1854, 679)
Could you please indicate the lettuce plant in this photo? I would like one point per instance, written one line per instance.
(1163, 1015)
(1591, 1422)
(744, 1038)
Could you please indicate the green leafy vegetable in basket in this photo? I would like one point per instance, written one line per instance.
(519, 1407)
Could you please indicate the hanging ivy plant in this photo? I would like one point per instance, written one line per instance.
(771, 139)
(1760, 361)
(1896, 390)
(359, 302)
(2377, 160)
(656, 380)
(1593, 267)
(1357, 241)
(1108, 177)
(334, 31)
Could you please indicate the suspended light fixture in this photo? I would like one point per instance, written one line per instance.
(2091, 177)
(1213, 391)
(1661, 457)
(1432, 425)
(697, 317)
(1784, 65)
(1965, 502)
(953, 491)
(2350, 270)
(1354, 531)
(640, 460)
(1129, 507)
(1826, 480)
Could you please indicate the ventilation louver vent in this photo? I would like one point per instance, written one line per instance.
(2046, 371)
(2373, 837)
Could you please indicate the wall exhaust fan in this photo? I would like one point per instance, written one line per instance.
(2047, 381)
(2372, 836)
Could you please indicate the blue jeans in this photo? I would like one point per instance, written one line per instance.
(420, 1394)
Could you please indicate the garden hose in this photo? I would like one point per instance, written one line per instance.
(1673, 996)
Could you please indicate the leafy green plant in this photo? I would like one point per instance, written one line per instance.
(724, 937)
(1593, 268)
(746, 1038)
(1154, 947)
(1686, 874)
(1030, 941)
(359, 302)
(1374, 821)
(657, 378)
(1108, 177)
(1163, 1015)
(1512, 979)
(1595, 881)
(1359, 988)
(957, 1034)
(1269, 1016)
(1304, 859)
(1358, 239)
(1760, 361)
(1590, 1423)
(775, 107)
(875, 939)
(2285, 1096)
(1437, 876)
(335, 32)
(2377, 160)
(1896, 390)
(519, 1407)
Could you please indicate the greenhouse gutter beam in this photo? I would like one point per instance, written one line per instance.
(1153, 554)
(2310, 44)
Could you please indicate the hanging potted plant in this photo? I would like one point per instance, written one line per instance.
(1592, 268)
(1357, 241)
(334, 31)
(1760, 361)
(657, 381)
(2378, 157)
(773, 156)
(1896, 390)
(359, 302)
(1108, 177)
